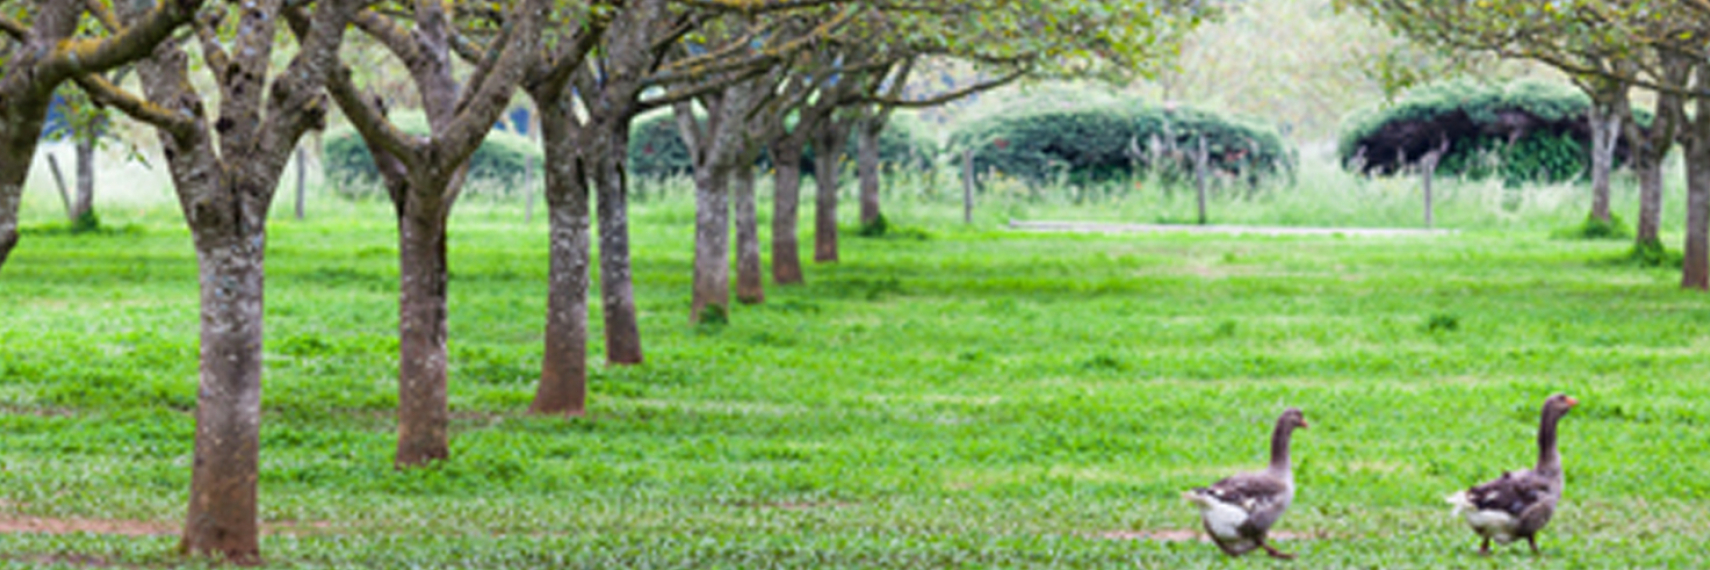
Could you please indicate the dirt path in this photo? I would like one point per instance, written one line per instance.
(1115, 228)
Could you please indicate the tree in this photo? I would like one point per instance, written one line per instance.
(423, 177)
(1609, 47)
(225, 174)
(47, 52)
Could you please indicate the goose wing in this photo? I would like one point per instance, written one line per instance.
(1511, 493)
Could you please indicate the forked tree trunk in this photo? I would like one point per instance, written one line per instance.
(828, 153)
(867, 168)
(712, 242)
(423, 419)
(563, 385)
(750, 286)
(84, 205)
(786, 205)
(617, 294)
(222, 514)
(1695, 271)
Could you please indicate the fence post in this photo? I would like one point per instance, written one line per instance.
(1201, 160)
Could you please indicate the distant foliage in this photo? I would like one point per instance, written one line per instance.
(502, 158)
(656, 147)
(1110, 141)
(1526, 131)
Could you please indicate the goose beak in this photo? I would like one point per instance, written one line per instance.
(1571, 401)
(1303, 424)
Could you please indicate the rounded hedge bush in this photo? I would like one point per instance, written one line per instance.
(656, 147)
(1110, 141)
(502, 157)
(1525, 131)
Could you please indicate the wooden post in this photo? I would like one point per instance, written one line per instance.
(1428, 170)
(967, 186)
(1201, 163)
(59, 180)
(302, 179)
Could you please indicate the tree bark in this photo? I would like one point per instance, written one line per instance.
(1695, 271)
(828, 143)
(867, 167)
(712, 242)
(84, 205)
(302, 182)
(750, 285)
(617, 292)
(1650, 203)
(786, 188)
(563, 385)
(423, 419)
(1201, 171)
(222, 514)
(967, 186)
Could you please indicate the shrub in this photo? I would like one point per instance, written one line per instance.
(656, 147)
(502, 157)
(1109, 141)
(1526, 131)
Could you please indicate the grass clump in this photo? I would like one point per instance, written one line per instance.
(1594, 229)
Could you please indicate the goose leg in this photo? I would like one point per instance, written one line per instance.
(1484, 549)
(1276, 553)
(1534, 543)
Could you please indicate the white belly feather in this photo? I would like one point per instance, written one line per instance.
(1221, 519)
(1497, 525)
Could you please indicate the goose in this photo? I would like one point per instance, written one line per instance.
(1518, 504)
(1239, 510)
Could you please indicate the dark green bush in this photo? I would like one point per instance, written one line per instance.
(1095, 143)
(1526, 131)
(656, 147)
(502, 158)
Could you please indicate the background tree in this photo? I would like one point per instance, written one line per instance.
(1609, 47)
(46, 52)
(423, 177)
(225, 174)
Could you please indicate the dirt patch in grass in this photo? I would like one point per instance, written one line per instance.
(39, 525)
(17, 524)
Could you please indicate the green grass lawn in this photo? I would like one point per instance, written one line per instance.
(978, 398)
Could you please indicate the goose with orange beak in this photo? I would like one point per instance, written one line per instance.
(1518, 504)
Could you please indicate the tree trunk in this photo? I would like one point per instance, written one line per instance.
(828, 154)
(750, 286)
(1605, 131)
(867, 168)
(967, 186)
(84, 206)
(623, 334)
(59, 183)
(1695, 271)
(786, 187)
(1650, 203)
(222, 514)
(21, 119)
(563, 385)
(712, 242)
(1201, 168)
(302, 181)
(423, 419)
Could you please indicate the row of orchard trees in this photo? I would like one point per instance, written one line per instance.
(1609, 48)
(776, 75)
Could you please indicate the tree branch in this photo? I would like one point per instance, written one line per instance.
(948, 96)
(136, 41)
(14, 28)
(104, 92)
(104, 14)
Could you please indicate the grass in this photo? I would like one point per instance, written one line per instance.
(956, 397)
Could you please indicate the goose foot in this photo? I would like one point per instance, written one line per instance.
(1276, 553)
(1534, 543)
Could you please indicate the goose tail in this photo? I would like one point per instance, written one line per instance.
(1461, 502)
